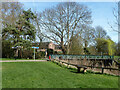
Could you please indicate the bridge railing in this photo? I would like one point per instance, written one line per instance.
(82, 56)
(102, 69)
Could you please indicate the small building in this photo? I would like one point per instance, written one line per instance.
(47, 45)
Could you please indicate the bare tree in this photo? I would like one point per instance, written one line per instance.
(87, 35)
(10, 12)
(38, 27)
(116, 13)
(100, 33)
(116, 26)
(76, 45)
(63, 21)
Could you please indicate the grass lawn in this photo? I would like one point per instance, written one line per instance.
(50, 75)
(18, 59)
(117, 56)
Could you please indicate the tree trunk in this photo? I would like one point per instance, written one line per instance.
(40, 42)
(16, 53)
(68, 29)
(63, 47)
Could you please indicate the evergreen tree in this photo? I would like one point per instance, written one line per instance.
(23, 32)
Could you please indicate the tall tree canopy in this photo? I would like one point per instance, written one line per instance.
(105, 46)
(19, 33)
(10, 13)
(63, 21)
(76, 46)
(22, 30)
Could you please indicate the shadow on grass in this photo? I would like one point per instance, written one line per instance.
(90, 72)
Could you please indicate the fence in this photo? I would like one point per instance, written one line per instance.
(103, 64)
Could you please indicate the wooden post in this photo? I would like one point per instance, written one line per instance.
(102, 70)
(80, 61)
(68, 64)
(119, 69)
(78, 69)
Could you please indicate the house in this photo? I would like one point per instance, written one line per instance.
(47, 45)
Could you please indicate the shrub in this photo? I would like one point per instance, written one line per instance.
(40, 55)
(27, 54)
(49, 52)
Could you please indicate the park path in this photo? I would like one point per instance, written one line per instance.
(24, 61)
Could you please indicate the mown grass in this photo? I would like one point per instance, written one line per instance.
(116, 56)
(18, 59)
(50, 75)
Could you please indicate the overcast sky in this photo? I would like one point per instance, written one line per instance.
(102, 13)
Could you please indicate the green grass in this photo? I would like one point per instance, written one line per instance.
(116, 56)
(18, 59)
(50, 75)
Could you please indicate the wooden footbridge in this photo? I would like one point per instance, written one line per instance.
(88, 61)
